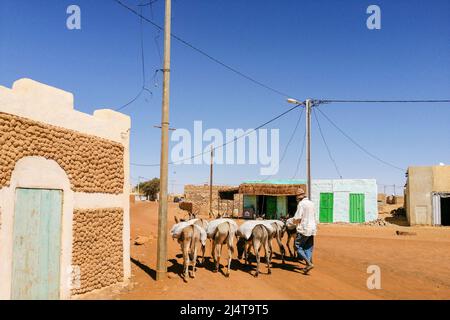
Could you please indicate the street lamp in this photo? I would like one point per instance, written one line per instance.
(294, 101)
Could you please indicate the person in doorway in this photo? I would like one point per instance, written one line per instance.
(305, 219)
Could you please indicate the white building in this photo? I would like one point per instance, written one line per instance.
(340, 200)
(345, 200)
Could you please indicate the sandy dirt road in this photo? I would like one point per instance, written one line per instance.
(412, 267)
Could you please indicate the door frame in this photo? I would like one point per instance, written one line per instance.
(436, 198)
(59, 236)
(36, 173)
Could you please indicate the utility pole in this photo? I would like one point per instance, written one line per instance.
(308, 106)
(211, 182)
(161, 263)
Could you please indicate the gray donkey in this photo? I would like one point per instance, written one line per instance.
(224, 234)
(279, 227)
(189, 240)
(259, 238)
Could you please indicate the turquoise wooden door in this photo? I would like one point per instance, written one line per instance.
(37, 244)
(357, 211)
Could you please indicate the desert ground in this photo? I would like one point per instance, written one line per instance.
(415, 266)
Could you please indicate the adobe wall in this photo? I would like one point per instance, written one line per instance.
(199, 196)
(46, 144)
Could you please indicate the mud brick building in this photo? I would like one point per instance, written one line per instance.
(427, 195)
(64, 195)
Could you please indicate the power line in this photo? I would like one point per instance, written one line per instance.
(223, 145)
(383, 101)
(300, 156)
(188, 44)
(143, 88)
(142, 49)
(326, 145)
(287, 145)
(358, 145)
(292, 135)
(148, 3)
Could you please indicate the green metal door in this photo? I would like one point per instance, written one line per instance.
(357, 211)
(37, 244)
(326, 207)
(271, 207)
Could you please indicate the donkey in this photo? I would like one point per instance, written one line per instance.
(279, 228)
(189, 240)
(259, 238)
(224, 234)
(291, 234)
(202, 223)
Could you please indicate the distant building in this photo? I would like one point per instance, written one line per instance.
(340, 200)
(427, 195)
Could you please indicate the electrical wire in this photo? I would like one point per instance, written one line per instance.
(326, 145)
(143, 88)
(148, 3)
(383, 101)
(360, 146)
(188, 44)
(224, 144)
(287, 145)
(300, 156)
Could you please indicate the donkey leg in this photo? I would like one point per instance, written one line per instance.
(288, 244)
(282, 250)
(230, 256)
(194, 261)
(217, 249)
(220, 253)
(213, 251)
(257, 260)
(268, 253)
(203, 254)
(186, 262)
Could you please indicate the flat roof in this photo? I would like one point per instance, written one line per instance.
(277, 181)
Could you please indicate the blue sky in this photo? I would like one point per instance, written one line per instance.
(318, 49)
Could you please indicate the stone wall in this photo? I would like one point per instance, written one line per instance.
(199, 196)
(97, 247)
(94, 165)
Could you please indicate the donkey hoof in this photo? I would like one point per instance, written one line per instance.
(227, 275)
(256, 275)
(215, 270)
(269, 272)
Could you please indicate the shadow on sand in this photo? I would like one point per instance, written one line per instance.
(236, 265)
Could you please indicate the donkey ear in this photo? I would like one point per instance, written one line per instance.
(176, 219)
